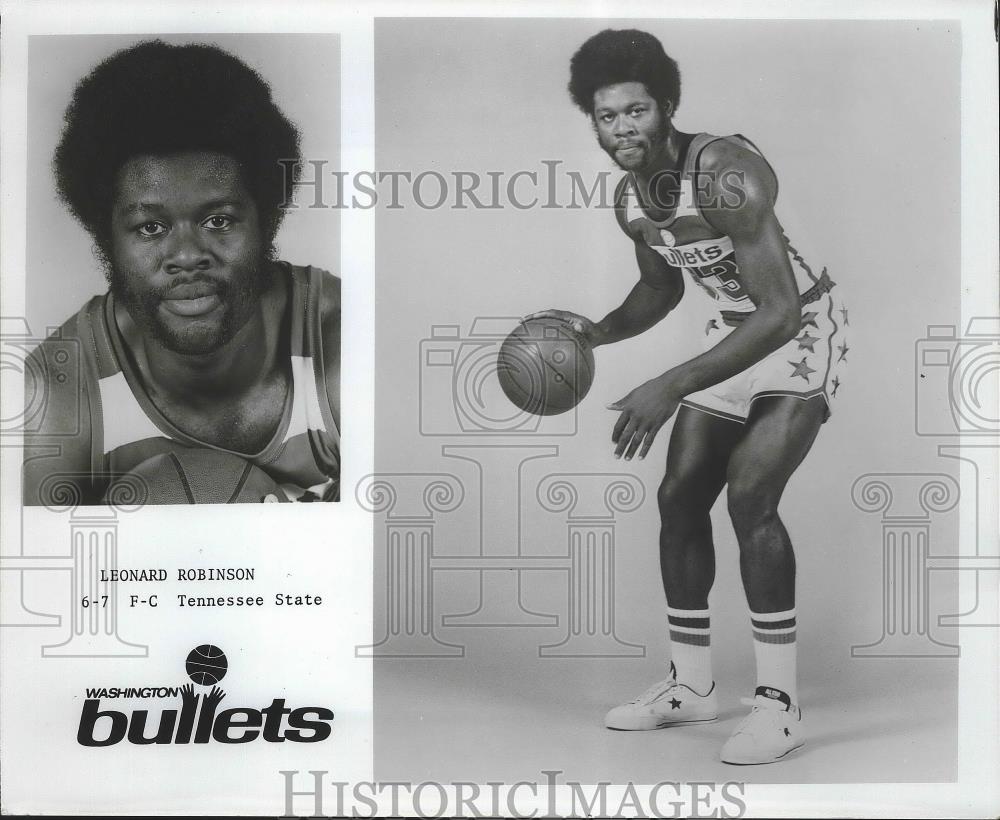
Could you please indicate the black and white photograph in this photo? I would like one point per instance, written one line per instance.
(662, 499)
(207, 368)
(649, 351)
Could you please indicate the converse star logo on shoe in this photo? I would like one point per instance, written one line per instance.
(667, 703)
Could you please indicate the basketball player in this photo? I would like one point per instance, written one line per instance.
(169, 158)
(748, 408)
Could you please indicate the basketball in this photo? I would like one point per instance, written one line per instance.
(545, 367)
(193, 476)
(206, 665)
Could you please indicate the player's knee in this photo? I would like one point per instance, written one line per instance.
(751, 507)
(679, 499)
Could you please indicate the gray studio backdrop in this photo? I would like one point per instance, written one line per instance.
(517, 585)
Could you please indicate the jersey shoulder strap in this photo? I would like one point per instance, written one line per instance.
(742, 142)
(98, 363)
(624, 192)
(309, 352)
(692, 159)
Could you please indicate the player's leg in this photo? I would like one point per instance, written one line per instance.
(697, 461)
(696, 472)
(779, 432)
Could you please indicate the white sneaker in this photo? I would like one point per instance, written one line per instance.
(666, 703)
(771, 732)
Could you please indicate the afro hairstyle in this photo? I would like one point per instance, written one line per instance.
(621, 56)
(160, 99)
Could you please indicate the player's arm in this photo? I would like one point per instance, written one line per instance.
(57, 437)
(769, 282)
(765, 272)
(658, 291)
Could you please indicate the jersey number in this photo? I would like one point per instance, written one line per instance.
(728, 275)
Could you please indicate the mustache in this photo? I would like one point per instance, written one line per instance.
(189, 286)
(197, 284)
(130, 288)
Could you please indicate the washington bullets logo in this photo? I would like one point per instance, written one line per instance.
(199, 719)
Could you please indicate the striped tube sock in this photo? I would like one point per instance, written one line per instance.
(775, 649)
(690, 648)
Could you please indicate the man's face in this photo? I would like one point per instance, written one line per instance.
(187, 251)
(630, 125)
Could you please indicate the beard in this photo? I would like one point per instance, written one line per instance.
(239, 296)
(650, 150)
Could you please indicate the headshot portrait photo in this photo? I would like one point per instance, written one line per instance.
(190, 306)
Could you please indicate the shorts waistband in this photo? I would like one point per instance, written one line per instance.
(823, 285)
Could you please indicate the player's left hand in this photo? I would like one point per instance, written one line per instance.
(643, 412)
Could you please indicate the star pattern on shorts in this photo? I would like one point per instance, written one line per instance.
(843, 348)
(675, 704)
(836, 385)
(712, 325)
(809, 318)
(807, 342)
(801, 369)
(787, 733)
(843, 312)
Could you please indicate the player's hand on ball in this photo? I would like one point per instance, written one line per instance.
(581, 324)
(643, 412)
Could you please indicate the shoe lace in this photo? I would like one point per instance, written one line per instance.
(656, 691)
